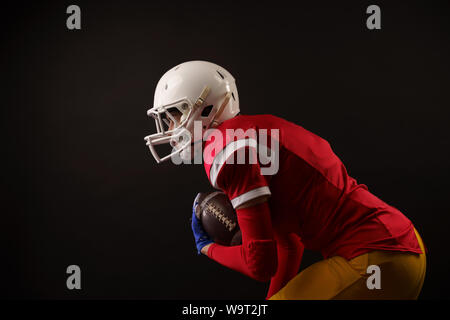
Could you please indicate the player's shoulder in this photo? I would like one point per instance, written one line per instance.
(245, 126)
(251, 121)
(231, 135)
(241, 127)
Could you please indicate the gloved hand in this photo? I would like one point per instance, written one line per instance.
(201, 237)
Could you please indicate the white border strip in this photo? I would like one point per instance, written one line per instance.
(252, 194)
(224, 154)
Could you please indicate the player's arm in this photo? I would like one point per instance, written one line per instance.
(250, 203)
(256, 257)
(289, 254)
(248, 191)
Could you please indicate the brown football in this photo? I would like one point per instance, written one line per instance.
(218, 218)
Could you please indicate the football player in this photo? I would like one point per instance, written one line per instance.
(370, 249)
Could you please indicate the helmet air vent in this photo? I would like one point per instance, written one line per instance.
(221, 75)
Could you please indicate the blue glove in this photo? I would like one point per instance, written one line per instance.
(200, 235)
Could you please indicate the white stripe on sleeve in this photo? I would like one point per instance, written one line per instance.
(252, 194)
(224, 154)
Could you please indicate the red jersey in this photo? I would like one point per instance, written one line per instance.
(310, 192)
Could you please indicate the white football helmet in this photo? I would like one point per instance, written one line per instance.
(195, 91)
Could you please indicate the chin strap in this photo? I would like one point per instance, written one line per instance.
(214, 122)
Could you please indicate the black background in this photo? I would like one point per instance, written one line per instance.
(80, 187)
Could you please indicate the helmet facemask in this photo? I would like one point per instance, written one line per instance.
(179, 136)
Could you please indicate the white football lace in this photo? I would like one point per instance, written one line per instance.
(230, 225)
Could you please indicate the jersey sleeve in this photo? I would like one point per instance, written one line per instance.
(256, 257)
(236, 172)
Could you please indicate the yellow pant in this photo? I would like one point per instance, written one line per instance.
(401, 274)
